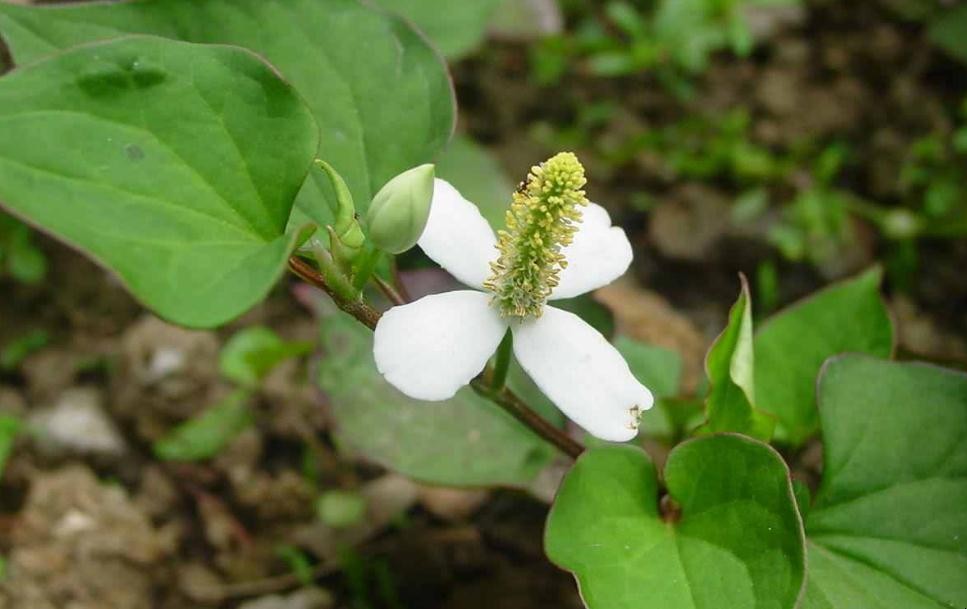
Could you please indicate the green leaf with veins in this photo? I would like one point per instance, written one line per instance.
(888, 528)
(730, 365)
(173, 164)
(791, 346)
(738, 544)
(464, 441)
(455, 28)
(380, 95)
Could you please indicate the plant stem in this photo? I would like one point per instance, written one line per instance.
(509, 401)
(502, 365)
(482, 384)
(365, 267)
(358, 308)
(334, 272)
(388, 290)
(399, 285)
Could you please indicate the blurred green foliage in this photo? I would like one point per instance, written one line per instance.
(205, 435)
(246, 359)
(20, 258)
(948, 30)
(815, 224)
(934, 184)
(298, 563)
(672, 38)
(17, 350)
(341, 509)
(10, 427)
(801, 196)
(251, 353)
(706, 147)
(370, 580)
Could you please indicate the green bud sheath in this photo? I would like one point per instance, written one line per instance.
(399, 211)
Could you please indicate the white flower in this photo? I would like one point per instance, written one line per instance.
(431, 348)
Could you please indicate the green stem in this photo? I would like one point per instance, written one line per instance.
(334, 276)
(389, 291)
(502, 364)
(518, 409)
(365, 267)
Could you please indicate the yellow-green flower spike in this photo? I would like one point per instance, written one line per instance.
(541, 221)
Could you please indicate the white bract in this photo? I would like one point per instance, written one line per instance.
(431, 348)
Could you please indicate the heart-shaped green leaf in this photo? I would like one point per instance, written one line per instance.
(738, 543)
(463, 441)
(791, 346)
(380, 95)
(174, 164)
(888, 529)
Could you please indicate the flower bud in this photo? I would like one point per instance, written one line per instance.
(399, 211)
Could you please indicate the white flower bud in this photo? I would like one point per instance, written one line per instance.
(399, 211)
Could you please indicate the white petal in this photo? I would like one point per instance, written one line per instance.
(582, 373)
(599, 254)
(430, 348)
(457, 237)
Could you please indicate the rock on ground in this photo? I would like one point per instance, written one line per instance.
(80, 544)
(77, 425)
(309, 598)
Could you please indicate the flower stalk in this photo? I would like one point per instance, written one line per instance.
(517, 408)
(502, 363)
